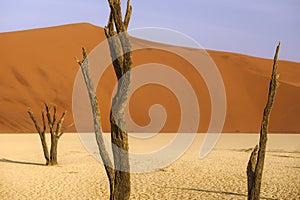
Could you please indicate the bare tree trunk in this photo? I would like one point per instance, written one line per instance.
(120, 50)
(122, 67)
(41, 134)
(251, 169)
(97, 120)
(121, 161)
(254, 175)
(45, 148)
(53, 150)
(119, 180)
(55, 134)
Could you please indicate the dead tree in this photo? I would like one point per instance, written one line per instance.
(97, 120)
(56, 132)
(41, 133)
(120, 51)
(256, 161)
(116, 32)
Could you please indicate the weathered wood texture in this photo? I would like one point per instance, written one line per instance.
(120, 49)
(256, 161)
(96, 117)
(55, 129)
(118, 170)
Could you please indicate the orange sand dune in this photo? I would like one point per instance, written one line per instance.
(38, 66)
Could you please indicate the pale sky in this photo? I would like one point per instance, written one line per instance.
(243, 26)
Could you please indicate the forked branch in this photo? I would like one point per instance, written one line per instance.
(55, 135)
(41, 133)
(37, 127)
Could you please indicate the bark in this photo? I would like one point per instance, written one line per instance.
(41, 133)
(251, 168)
(55, 133)
(254, 181)
(120, 43)
(97, 118)
(53, 150)
(120, 51)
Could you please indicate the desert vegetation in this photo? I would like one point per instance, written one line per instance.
(118, 169)
(257, 158)
(55, 129)
(219, 176)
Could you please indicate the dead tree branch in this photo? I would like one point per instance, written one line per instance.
(120, 52)
(51, 159)
(96, 115)
(255, 177)
(41, 133)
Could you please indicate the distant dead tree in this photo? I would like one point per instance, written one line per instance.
(120, 50)
(256, 161)
(56, 131)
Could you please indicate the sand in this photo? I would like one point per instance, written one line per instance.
(220, 175)
(38, 66)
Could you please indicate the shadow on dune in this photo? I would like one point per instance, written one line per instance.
(20, 162)
(220, 192)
